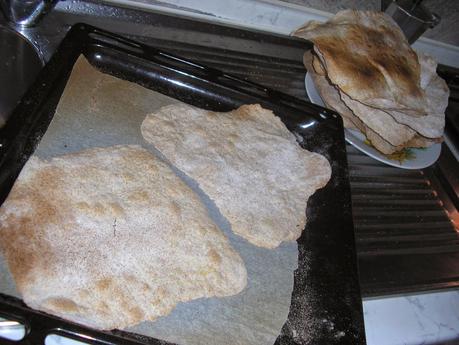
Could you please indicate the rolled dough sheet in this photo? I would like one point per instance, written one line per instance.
(99, 110)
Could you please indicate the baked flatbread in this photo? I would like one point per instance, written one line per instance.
(331, 97)
(367, 56)
(381, 128)
(329, 93)
(247, 162)
(437, 93)
(315, 63)
(109, 237)
(380, 122)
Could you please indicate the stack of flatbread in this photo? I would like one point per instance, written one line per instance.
(364, 68)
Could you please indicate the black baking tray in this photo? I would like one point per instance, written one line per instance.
(327, 265)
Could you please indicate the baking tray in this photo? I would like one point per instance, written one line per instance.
(326, 281)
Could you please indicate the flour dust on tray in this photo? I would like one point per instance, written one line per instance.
(247, 162)
(109, 237)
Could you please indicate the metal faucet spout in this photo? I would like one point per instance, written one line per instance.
(26, 13)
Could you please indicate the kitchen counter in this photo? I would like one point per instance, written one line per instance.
(430, 318)
(408, 319)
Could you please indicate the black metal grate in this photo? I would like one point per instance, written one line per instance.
(396, 211)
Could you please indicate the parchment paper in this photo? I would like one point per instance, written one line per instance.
(98, 110)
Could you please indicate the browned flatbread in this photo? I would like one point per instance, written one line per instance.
(367, 57)
(331, 97)
(317, 65)
(437, 93)
(110, 237)
(380, 121)
(329, 93)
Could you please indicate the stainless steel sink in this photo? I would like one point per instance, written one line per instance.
(144, 26)
(19, 65)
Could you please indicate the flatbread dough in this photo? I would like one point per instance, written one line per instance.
(247, 162)
(368, 57)
(109, 237)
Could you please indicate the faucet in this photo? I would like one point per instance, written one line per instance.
(412, 17)
(26, 13)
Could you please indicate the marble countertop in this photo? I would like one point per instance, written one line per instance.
(273, 16)
(430, 318)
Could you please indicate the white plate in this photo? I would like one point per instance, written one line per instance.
(422, 158)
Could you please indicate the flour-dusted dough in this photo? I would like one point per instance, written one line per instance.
(109, 237)
(247, 162)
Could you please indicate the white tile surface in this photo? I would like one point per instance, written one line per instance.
(431, 318)
(268, 15)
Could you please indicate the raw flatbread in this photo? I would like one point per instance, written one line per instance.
(109, 237)
(367, 56)
(247, 162)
